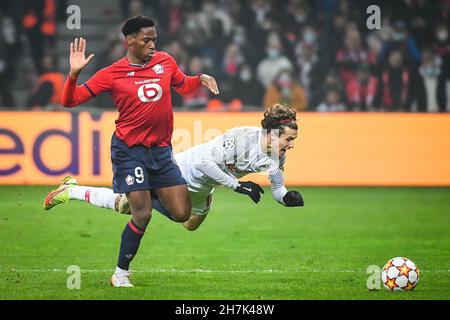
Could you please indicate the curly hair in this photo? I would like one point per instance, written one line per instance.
(278, 117)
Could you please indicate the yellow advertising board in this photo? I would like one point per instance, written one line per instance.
(333, 149)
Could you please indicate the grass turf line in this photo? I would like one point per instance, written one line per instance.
(242, 251)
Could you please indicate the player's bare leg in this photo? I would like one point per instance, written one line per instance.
(180, 210)
(141, 207)
(200, 211)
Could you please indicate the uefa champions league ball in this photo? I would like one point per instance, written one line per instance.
(400, 274)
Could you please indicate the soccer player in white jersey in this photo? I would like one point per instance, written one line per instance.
(221, 161)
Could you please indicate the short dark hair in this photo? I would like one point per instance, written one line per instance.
(133, 25)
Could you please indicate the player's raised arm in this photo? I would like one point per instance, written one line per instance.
(74, 95)
(78, 60)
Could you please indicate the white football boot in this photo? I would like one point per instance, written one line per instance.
(121, 279)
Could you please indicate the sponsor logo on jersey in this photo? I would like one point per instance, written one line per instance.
(150, 92)
(146, 81)
(158, 69)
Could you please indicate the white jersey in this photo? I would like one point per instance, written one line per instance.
(226, 158)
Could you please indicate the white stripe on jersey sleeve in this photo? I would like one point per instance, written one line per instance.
(277, 185)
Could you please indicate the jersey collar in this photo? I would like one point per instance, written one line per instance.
(137, 65)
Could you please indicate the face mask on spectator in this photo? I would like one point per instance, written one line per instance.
(245, 75)
(286, 92)
(309, 37)
(238, 39)
(300, 18)
(386, 33)
(442, 35)
(285, 81)
(431, 72)
(398, 36)
(273, 53)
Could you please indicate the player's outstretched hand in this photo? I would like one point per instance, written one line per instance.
(293, 199)
(78, 60)
(210, 83)
(251, 189)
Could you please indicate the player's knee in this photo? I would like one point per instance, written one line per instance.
(180, 217)
(142, 216)
(181, 213)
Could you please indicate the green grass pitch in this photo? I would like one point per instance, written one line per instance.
(242, 251)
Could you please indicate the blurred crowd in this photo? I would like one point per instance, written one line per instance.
(314, 55)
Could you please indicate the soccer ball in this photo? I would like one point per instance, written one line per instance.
(400, 274)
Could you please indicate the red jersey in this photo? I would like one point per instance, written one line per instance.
(142, 95)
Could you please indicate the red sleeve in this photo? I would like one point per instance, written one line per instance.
(100, 82)
(74, 95)
(188, 85)
(182, 83)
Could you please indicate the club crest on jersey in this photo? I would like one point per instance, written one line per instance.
(129, 180)
(228, 144)
(158, 69)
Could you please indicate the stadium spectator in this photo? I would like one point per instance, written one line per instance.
(197, 99)
(132, 8)
(351, 55)
(275, 61)
(374, 51)
(248, 89)
(176, 50)
(115, 48)
(308, 37)
(228, 73)
(39, 21)
(419, 15)
(332, 82)
(333, 36)
(332, 102)
(232, 60)
(49, 85)
(395, 84)
(442, 49)
(429, 71)
(285, 90)
(9, 53)
(362, 90)
(307, 58)
(401, 39)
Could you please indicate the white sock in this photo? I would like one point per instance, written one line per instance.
(100, 197)
(120, 271)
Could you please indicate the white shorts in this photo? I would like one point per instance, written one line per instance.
(201, 201)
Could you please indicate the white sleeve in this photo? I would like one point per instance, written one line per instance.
(222, 153)
(277, 185)
(212, 170)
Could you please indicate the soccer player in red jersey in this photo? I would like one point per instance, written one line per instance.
(140, 84)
